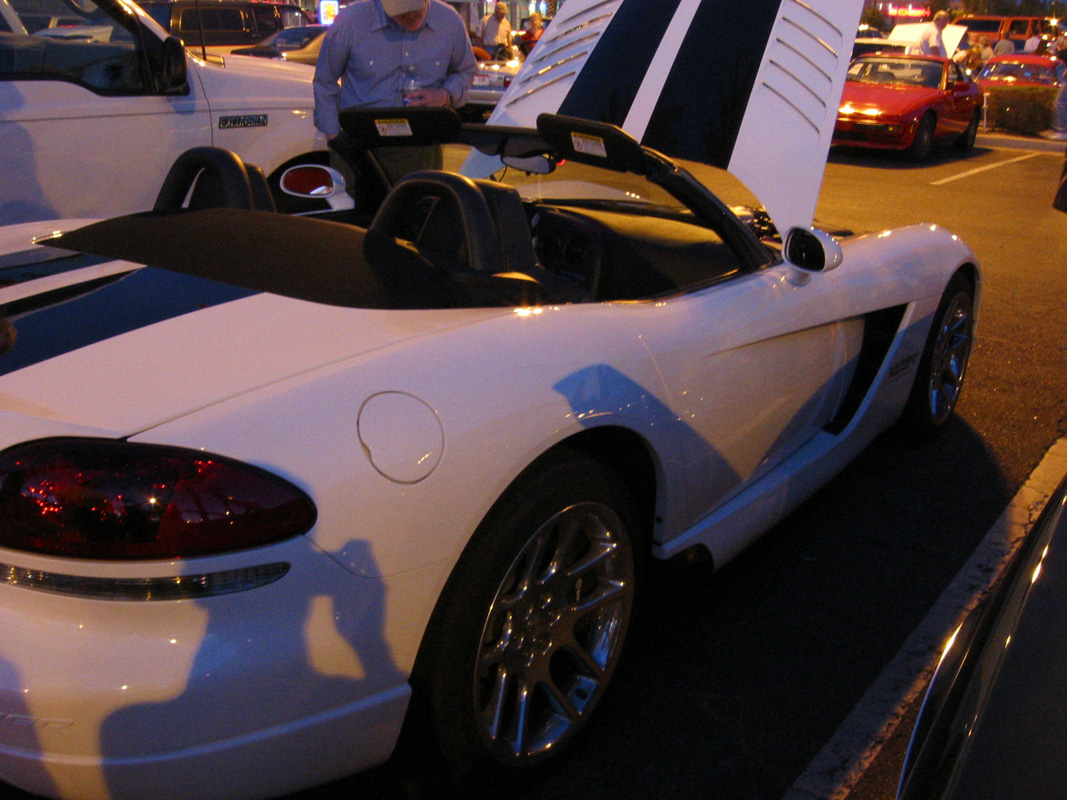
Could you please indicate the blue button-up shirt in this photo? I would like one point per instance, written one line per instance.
(371, 56)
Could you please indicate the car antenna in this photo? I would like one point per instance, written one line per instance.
(200, 25)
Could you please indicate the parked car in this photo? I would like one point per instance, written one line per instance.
(1016, 28)
(96, 118)
(273, 487)
(867, 45)
(31, 17)
(301, 45)
(491, 79)
(907, 103)
(221, 25)
(1021, 69)
(993, 720)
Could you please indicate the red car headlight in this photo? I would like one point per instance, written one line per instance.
(106, 499)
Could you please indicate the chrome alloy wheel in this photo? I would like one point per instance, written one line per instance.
(949, 362)
(553, 633)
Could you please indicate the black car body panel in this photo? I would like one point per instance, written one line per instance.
(994, 722)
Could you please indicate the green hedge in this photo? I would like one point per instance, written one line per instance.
(1020, 109)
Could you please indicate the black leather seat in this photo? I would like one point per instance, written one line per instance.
(446, 216)
(510, 226)
(212, 177)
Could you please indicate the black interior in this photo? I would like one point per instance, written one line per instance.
(210, 177)
(430, 246)
(437, 240)
(619, 256)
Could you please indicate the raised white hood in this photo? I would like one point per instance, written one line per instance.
(751, 87)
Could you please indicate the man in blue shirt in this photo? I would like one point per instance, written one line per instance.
(376, 48)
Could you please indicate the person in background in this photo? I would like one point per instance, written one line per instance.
(1061, 46)
(984, 48)
(494, 32)
(970, 58)
(389, 53)
(931, 43)
(1004, 47)
(529, 39)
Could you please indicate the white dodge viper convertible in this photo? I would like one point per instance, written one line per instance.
(273, 487)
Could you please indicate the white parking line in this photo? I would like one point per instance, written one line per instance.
(839, 766)
(975, 171)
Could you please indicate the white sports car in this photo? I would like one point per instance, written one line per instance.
(272, 486)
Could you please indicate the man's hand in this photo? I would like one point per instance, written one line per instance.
(426, 97)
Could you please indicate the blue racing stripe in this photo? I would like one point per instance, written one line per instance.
(716, 65)
(136, 300)
(607, 85)
(717, 62)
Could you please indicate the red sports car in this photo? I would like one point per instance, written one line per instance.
(1021, 69)
(907, 102)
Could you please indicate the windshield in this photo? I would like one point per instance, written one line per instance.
(72, 41)
(581, 184)
(906, 71)
(160, 12)
(294, 38)
(982, 25)
(1014, 71)
(33, 16)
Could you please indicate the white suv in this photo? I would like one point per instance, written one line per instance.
(93, 114)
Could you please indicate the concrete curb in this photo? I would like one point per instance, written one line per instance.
(1008, 141)
(838, 767)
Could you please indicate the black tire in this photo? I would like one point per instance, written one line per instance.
(965, 141)
(943, 366)
(529, 629)
(923, 143)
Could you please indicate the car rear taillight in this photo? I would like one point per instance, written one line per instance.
(106, 499)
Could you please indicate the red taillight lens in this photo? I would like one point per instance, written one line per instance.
(105, 499)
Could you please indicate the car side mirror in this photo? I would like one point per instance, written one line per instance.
(810, 250)
(174, 78)
(316, 182)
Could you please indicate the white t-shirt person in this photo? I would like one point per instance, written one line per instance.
(931, 42)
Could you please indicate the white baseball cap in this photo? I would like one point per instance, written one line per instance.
(394, 8)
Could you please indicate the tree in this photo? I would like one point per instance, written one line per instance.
(873, 16)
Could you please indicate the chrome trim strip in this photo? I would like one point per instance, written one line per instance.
(176, 587)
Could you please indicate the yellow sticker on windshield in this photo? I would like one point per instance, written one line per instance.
(590, 145)
(393, 127)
